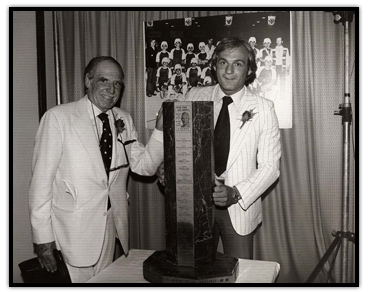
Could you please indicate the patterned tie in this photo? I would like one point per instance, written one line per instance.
(106, 145)
(222, 137)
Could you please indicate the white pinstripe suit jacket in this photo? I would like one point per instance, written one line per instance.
(258, 141)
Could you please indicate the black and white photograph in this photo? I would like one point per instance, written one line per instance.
(172, 146)
(178, 55)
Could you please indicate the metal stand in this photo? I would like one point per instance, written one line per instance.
(342, 237)
(333, 249)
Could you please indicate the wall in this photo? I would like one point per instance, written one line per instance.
(25, 122)
(50, 62)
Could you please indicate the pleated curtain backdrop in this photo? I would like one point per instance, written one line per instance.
(303, 207)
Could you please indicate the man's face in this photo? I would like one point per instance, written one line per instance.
(232, 69)
(104, 88)
(185, 119)
(278, 41)
(153, 43)
(252, 44)
(210, 41)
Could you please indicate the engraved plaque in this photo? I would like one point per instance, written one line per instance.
(189, 174)
(184, 183)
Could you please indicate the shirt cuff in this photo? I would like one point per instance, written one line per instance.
(237, 194)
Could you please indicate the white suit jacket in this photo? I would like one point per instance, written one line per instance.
(258, 141)
(69, 186)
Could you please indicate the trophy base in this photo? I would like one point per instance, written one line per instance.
(156, 269)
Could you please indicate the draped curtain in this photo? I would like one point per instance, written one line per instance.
(303, 207)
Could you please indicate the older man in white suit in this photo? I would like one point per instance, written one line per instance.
(247, 146)
(78, 202)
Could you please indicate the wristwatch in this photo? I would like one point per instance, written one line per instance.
(237, 195)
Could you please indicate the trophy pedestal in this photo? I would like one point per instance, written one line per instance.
(157, 269)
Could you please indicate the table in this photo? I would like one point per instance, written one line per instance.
(130, 270)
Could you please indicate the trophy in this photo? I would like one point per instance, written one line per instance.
(191, 255)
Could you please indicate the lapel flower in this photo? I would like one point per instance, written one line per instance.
(120, 126)
(247, 116)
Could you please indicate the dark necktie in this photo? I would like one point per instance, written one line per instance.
(106, 145)
(222, 137)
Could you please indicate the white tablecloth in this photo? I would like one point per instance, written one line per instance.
(130, 270)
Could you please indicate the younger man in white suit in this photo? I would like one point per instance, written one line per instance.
(247, 145)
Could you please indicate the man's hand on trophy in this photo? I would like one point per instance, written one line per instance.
(160, 116)
(159, 120)
(160, 174)
(223, 195)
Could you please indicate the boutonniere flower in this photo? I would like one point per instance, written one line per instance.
(247, 116)
(120, 125)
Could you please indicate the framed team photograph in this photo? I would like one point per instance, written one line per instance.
(178, 56)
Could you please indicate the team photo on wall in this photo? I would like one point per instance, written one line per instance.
(178, 57)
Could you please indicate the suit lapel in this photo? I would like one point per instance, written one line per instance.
(86, 132)
(238, 140)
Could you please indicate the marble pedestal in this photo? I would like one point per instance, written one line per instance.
(189, 209)
(157, 269)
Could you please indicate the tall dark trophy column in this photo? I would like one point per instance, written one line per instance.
(190, 255)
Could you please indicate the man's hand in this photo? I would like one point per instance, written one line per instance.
(46, 256)
(160, 120)
(160, 174)
(223, 195)
(160, 116)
